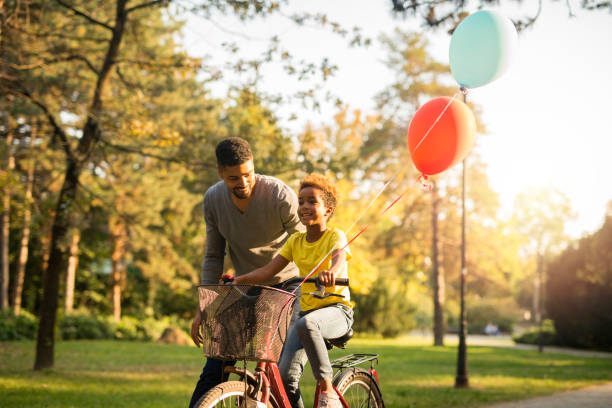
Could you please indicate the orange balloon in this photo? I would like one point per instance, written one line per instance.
(449, 140)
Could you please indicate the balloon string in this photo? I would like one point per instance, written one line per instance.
(374, 199)
(318, 266)
(462, 90)
(426, 186)
(435, 122)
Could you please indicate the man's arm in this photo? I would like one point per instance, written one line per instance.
(212, 267)
(264, 273)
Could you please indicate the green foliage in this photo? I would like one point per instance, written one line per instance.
(503, 313)
(17, 327)
(82, 325)
(386, 309)
(548, 335)
(579, 291)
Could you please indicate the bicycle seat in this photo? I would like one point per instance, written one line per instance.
(339, 342)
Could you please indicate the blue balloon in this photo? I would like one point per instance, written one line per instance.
(482, 48)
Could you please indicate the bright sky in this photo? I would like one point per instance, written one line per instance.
(547, 117)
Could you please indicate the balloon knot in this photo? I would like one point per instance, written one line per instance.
(463, 90)
(424, 183)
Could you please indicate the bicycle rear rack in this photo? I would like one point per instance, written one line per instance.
(353, 360)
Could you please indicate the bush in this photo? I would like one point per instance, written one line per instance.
(81, 326)
(22, 327)
(549, 336)
(385, 310)
(128, 328)
(151, 329)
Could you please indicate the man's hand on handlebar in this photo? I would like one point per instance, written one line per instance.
(327, 278)
(226, 279)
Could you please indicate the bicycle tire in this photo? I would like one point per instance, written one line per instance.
(359, 389)
(228, 394)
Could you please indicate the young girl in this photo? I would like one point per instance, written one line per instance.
(330, 317)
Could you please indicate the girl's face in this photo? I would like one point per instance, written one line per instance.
(312, 209)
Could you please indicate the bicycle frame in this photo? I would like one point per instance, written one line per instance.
(268, 376)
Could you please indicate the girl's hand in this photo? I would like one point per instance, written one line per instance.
(327, 278)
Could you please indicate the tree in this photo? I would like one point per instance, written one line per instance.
(5, 221)
(27, 217)
(417, 76)
(50, 21)
(540, 215)
(449, 13)
(579, 290)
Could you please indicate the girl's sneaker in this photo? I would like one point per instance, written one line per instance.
(329, 400)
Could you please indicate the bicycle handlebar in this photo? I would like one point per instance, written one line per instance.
(339, 281)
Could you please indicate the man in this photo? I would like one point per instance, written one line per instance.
(254, 215)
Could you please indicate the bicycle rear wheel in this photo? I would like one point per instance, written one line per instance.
(359, 389)
(230, 394)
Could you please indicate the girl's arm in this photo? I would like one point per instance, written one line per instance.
(264, 273)
(328, 278)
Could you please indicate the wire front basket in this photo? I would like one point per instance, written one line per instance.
(244, 322)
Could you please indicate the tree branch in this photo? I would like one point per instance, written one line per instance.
(127, 83)
(55, 60)
(87, 17)
(78, 58)
(57, 130)
(147, 4)
(135, 150)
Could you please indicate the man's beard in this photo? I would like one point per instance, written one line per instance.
(241, 193)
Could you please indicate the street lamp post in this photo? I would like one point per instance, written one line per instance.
(461, 380)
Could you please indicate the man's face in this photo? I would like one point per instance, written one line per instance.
(240, 179)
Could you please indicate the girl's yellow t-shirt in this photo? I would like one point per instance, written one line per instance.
(307, 255)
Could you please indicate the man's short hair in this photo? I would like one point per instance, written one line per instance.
(233, 151)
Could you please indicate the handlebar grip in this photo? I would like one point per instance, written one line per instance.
(227, 278)
(342, 282)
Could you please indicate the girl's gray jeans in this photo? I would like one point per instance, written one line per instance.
(305, 343)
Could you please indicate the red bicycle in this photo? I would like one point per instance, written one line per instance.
(250, 323)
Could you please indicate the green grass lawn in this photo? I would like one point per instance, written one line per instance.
(412, 374)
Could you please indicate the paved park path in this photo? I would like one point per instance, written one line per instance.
(599, 396)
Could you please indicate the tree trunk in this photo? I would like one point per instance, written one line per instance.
(118, 265)
(540, 316)
(5, 222)
(73, 262)
(45, 344)
(25, 234)
(537, 284)
(437, 274)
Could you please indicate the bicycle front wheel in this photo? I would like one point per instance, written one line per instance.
(359, 389)
(230, 394)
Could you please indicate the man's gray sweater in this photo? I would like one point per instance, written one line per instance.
(254, 236)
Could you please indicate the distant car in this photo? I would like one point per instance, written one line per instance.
(491, 330)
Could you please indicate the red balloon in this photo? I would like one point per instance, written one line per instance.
(449, 140)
